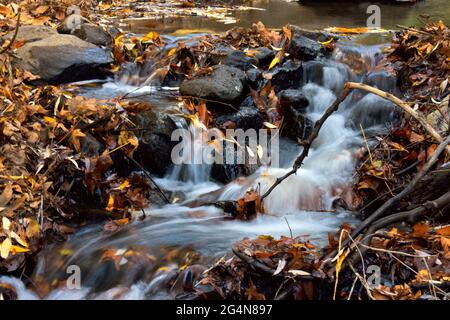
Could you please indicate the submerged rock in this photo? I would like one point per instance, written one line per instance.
(288, 75)
(382, 80)
(373, 110)
(62, 58)
(155, 145)
(224, 84)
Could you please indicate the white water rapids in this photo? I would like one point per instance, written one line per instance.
(303, 200)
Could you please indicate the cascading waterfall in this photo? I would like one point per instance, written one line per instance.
(305, 199)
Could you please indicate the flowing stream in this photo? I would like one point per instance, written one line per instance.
(139, 260)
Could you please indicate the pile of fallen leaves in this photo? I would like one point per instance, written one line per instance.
(413, 259)
(420, 58)
(267, 268)
(57, 156)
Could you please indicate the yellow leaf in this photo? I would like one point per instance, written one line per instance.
(163, 269)
(5, 247)
(270, 125)
(78, 133)
(274, 62)
(172, 52)
(124, 185)
(49, 120)
(133, 141)
(17, 249)
(19, 240)
(325, 43)
(65, 252)
(6, 223)
(110, 206)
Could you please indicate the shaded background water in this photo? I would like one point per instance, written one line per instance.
(313, 14)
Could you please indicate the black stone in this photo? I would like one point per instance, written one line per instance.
(288, 75)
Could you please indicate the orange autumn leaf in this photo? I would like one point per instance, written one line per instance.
(420, 229)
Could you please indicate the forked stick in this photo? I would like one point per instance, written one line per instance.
(348, 88)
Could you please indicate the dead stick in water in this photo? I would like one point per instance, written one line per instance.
(348, 87)
(307, 144)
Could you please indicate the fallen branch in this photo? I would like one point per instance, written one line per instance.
(16, 31)
(388, 204)
(411, 216)
(307, 144)
(348, 87)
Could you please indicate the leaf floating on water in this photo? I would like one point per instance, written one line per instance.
(355, 30)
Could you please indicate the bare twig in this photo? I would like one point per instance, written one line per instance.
(388, 204)
(348, 87)
(307, 144)
(16, 31)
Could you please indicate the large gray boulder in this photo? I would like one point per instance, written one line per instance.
(59, 57)
(224, 84)
(33, 33)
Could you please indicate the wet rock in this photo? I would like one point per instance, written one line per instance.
(288, 75)
(219, 55)
(94, 34)
(245, 118)
(224, 84)
(373, 110)
(321, 36)
(240, 60)
(293, 98)
(263, 56)
(230, 169)
(63, 58)
(382, 80)
(305, 48)
(253, 77)
(247, 103)
(155, 145)
(296, 125)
